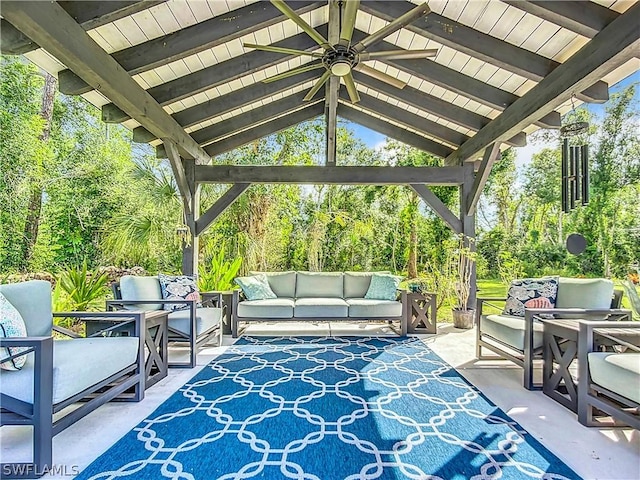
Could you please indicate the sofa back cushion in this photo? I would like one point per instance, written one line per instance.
(584, 293)
(356, 284)
(141, 288)
(319, 284)
(32, 299)
(283, 284)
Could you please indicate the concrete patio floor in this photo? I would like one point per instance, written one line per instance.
(594, 453)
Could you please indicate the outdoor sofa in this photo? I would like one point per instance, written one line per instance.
(520, 338)
(193, 324)
(316, 297)
(61, 372)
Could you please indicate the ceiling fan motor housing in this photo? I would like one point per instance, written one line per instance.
(340, 60)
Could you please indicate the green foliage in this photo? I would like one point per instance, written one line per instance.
(84, 288)
(220, 272)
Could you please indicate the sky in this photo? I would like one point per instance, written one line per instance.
(523, 154)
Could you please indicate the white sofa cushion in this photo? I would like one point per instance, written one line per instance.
(33, 300)
(371, 308)
(510, 330)
(268, 308)
(206, 319)
(321, 308)
(319, 285)
(618, 372)
(283, 284)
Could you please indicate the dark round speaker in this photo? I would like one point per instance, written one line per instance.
(576, 243)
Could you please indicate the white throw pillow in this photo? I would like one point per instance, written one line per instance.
(11, 325)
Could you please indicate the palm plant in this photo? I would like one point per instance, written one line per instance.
(219, 275)
(83, 287)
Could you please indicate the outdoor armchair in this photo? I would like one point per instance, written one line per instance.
(57, 373)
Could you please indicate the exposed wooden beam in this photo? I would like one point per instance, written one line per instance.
(225, 201)
(481, 45)
(393, 131)
(327, 175)
(179, 174)
(189, 41)
(409, 119)
(249, 119)
(584, 18)
(88, 14)
(438, 207)
(491, 153)
(613, 46)
(265, 129)
(224, 72)
(48, 24)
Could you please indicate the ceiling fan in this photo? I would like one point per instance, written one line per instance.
(343, 57)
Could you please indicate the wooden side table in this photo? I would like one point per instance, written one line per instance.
(421, 312)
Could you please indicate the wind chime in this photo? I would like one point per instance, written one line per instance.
(575, 166)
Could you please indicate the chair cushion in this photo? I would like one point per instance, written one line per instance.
(77, 365)
(11, 325)
(321, 308)
(383, 287)
(510, 330)
(319, 285)
(283, 284)
(356, 284)
(33, 300)
(584, 293)
(178, 287)
(531, 293)
(255, 287)
(269, 308)
(371, 308)
(618, 372)
(206, 319)
(141, 288)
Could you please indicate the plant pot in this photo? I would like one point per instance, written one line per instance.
(463, 318)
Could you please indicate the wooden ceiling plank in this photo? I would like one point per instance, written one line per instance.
(613, 46)
(477, 44)
(435, 106)
(227, 103)
(227, 71)
(393, 131)
(248, 119)
(584, 18)
(48, 24)
(264, 130)
(328, 175)
(88, 14)
(225, 201)
(189, 41)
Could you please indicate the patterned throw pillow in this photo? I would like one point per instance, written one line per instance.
(11, 325)
(178, 287)
(383, 286)
(531, 293)
(255, 287)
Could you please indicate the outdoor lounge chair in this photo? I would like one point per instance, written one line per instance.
(609, 381)
(193, 326)
(59, 373)
(519, 339)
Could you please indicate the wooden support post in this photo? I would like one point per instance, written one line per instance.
(438, 207)
(190, 247)
(224, 202)
(491, 153)
(469, 225)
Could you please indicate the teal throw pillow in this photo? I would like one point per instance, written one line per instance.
(383, 286)
(255, 287)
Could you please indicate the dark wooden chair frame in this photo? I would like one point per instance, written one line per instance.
(525, 358)
(235, 320)
(593, 397)
(194, 341)
(126, 385)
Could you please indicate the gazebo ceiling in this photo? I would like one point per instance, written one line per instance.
(502, 68)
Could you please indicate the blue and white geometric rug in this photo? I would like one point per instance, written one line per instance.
(328, 408)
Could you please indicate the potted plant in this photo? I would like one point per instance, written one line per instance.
(462, 264)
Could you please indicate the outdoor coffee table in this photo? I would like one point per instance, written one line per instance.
(560, 368)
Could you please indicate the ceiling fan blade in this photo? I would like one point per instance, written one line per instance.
(297, 19)
(398, 54)
(351, 88)
(378, 75)
(295, 71)
(397, 24)
(287, 51)
(318, 85)
(348, 21)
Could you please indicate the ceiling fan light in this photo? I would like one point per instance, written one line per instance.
(341, 68)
